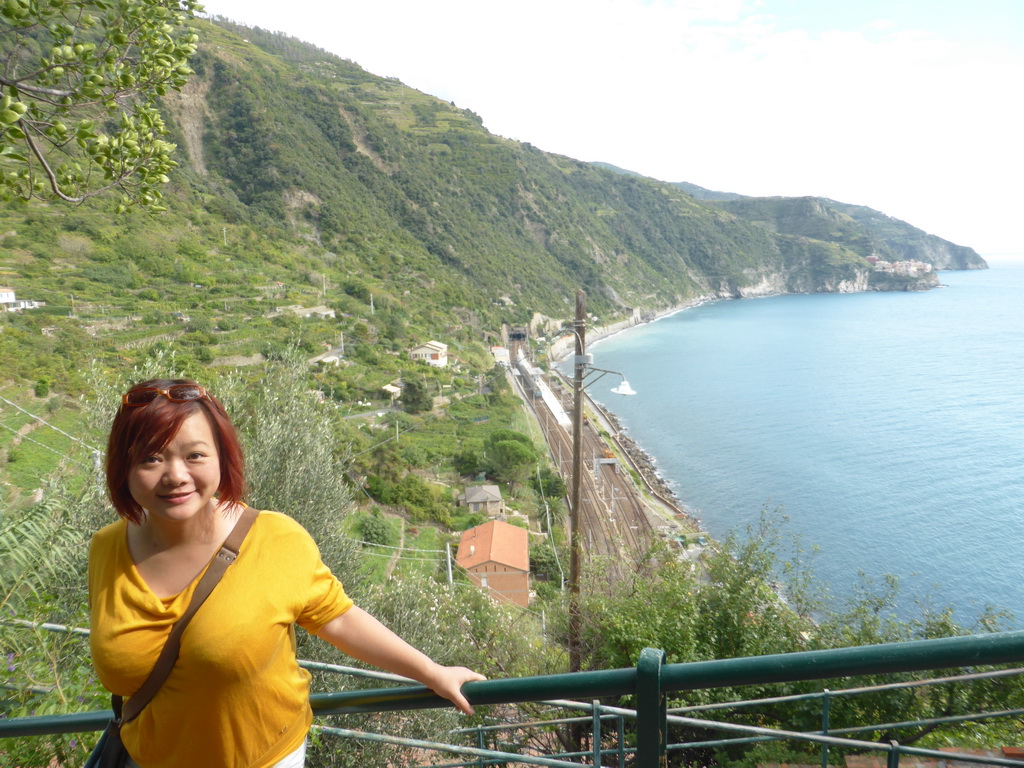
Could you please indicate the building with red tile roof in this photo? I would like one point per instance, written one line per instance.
(497, 557)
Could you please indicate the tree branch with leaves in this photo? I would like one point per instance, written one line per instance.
(79, 80)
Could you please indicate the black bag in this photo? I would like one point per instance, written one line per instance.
(109, 752)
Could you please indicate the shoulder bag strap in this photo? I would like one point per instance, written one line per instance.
(169, 655)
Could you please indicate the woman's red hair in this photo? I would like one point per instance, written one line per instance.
(143, 430)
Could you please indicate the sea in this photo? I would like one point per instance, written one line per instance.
(887, 428)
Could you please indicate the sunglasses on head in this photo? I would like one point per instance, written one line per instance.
(177, 393)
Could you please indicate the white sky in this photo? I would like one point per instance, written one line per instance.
(912, 107)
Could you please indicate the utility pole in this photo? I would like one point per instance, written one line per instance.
(576, 543)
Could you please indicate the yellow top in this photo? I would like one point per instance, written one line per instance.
(236, 697)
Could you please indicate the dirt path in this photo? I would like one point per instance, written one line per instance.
(394, 558)
(24, 430)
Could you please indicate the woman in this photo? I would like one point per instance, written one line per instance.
(236, 695)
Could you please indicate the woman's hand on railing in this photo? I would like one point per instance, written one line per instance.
(362, 637)
(447, 683)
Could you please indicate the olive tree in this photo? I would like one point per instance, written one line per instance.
(79, 81)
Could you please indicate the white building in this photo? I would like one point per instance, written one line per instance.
(10, 303)
(432, 352)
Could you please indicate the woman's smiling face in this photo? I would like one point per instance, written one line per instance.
(179, 481)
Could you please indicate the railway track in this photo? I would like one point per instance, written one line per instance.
(614, 521)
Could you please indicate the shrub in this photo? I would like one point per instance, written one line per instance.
(375, 529)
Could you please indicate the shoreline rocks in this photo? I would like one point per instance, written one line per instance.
(648, 468)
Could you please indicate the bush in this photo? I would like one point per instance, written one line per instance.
(415, 396)
(471, 459)
(465, 522)
(375, 529)
(291, 463)
(545, 562)
(549, 484)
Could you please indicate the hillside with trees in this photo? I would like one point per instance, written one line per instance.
(301, 168)
(306, 181)
(857, 227)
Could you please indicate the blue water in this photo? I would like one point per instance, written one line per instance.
(889, 426)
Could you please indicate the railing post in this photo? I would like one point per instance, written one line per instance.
(894, 755)
(651, 711)
(622, 740)
(595, 741)
(825, 703)
(481, 744)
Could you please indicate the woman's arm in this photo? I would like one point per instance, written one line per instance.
(361, 636)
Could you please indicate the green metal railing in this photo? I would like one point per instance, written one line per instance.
(649, 683)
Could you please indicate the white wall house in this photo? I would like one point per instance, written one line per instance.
(10, 303)
(432, 352)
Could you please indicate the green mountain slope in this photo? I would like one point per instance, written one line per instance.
(357, 160)
(861, 229)
(691, 189)
(864, 230)
(306, 181)
(909, 242)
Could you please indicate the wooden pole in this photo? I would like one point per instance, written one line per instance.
(576, 541)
